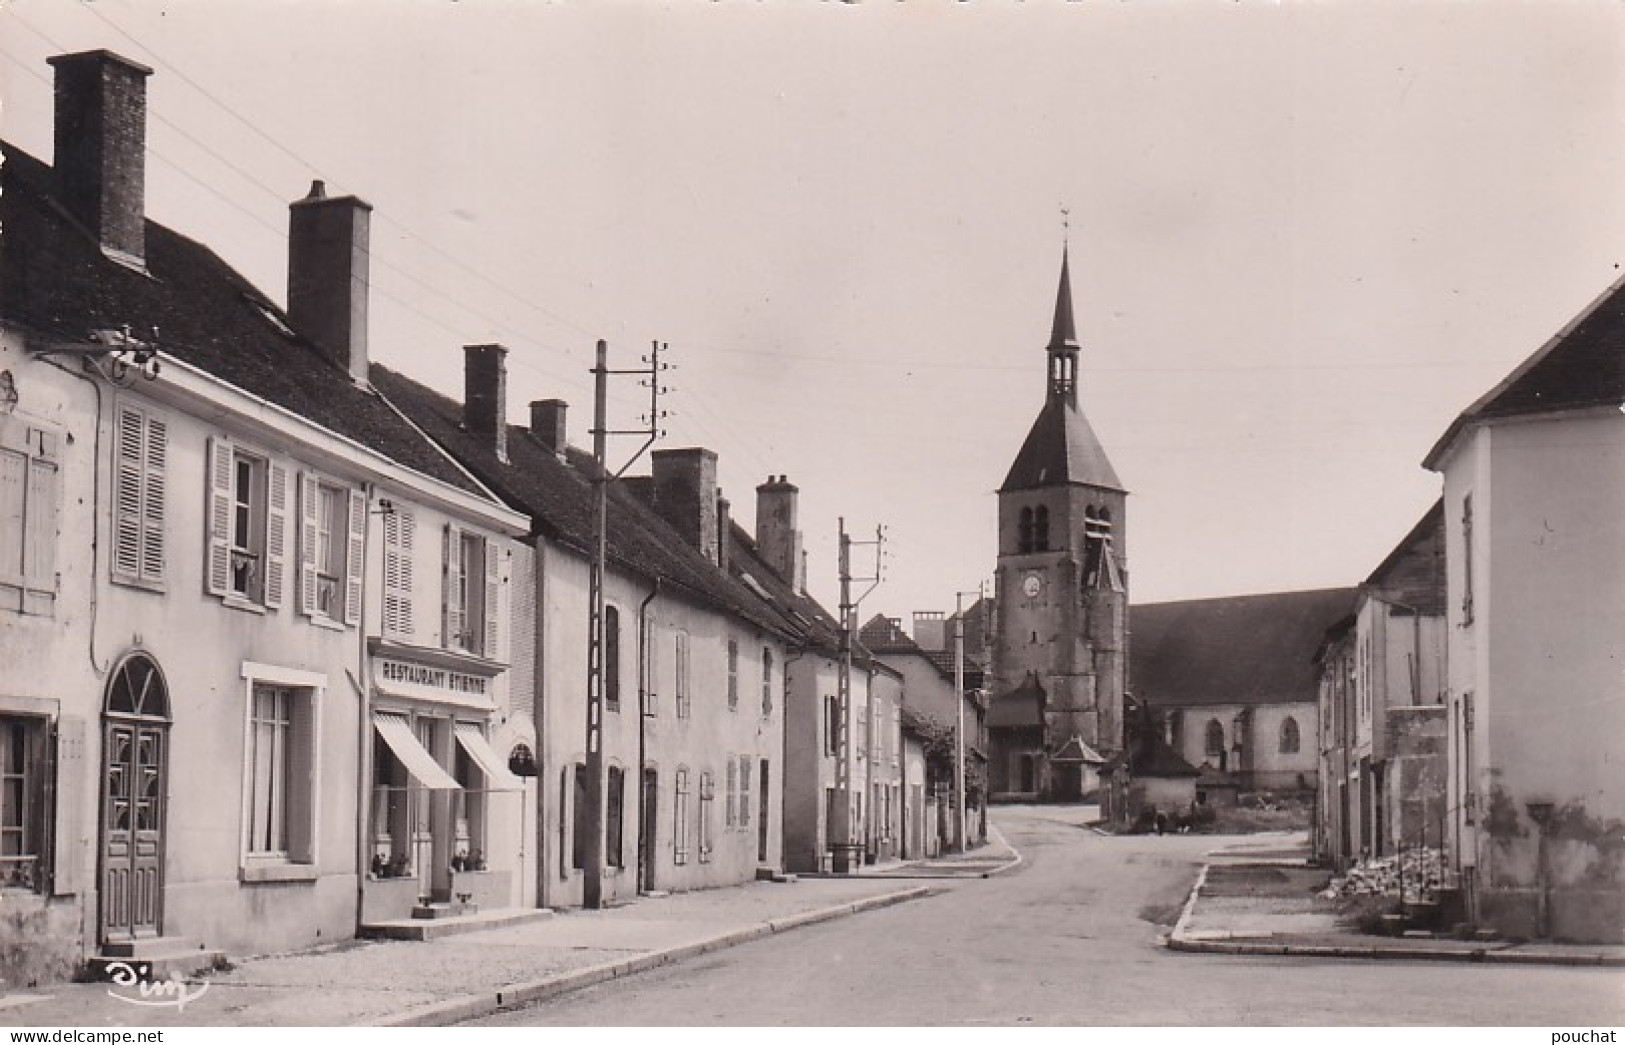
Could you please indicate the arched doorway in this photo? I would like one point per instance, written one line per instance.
(135, 782)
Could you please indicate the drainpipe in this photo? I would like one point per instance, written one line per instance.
(363, 691)
(643, 728)
(538, 718)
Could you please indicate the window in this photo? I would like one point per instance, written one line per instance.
(832, 725)
(612, 659)
(707, 797)
(733, 674)
(140, 459)
(248, 523)
(1467, 560)
(681, 651)
(744, 790)
(1041, 529)
(23, 743)
(614, 795)
(1215, 738)
(30, 492)
(471, 566)
(876, 730)
(399, 530)
(1469, 771)
(332, 522)
(1024, 531)
(280, 768)
(680, 825)
(582, 821)
(767, 682)
(1289, 736)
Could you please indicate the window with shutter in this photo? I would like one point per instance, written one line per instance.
(249, 497)
(491, 591)
(140, 463)
(733, 674)
(399, 530)
(680, 649)
(30, 496)
(744, 790)
(355, 557)
(730, 799)
(707, 799)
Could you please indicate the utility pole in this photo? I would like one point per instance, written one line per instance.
(592, 872)
(840, 828)
(959, 709)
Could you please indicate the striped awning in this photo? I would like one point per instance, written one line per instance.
(497, 777)
(396, 731)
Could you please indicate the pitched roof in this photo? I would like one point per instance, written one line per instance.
(815, 626)
(1248, 649)
(56, 282)
(558, 496)
(1075, 750)
(1413, 573)
(1583, 365)
(1154, 757)
(1060, 448)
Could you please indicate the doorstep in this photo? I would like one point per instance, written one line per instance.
(421, 929)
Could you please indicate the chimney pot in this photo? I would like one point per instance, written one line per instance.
(101, 147)
(485, 396)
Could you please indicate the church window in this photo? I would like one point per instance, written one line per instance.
(1289, 736)
(1024, 536)
(1215, 737)
(1041, 529)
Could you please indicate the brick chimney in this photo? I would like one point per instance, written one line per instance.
(547, 424)
(101, 148)
(328, 275)
(685, 494)
(485, 396)
(777, 538)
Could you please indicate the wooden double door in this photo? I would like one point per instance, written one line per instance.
(135, 785)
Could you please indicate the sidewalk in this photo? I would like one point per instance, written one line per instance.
(392, 983)
(994, 857)
(1258, 898)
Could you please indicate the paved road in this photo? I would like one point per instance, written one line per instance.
(1069, 938)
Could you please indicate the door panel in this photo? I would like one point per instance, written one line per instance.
(133, 832)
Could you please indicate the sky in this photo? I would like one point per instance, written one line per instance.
(1303, 236)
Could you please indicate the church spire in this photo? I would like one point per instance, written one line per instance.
(1063, 343)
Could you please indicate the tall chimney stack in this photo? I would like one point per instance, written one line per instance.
(685, 494)
(328, 273)
(485, 396)
(547, 424)
(777, 537)
(101, 148)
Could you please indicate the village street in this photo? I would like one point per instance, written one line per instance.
(1070, 937)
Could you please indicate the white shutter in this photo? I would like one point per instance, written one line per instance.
(493, 596)
(276, 531)
(128, 457)
(355, 549)
(451, 606)
(398, 537)
(310, 497)
(217, 572)
(152, 499)
(69, 851)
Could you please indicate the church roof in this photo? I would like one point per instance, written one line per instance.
(1248, 649)
(1061, 448)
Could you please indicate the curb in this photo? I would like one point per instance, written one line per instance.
(469, 1006)
(1179, 940)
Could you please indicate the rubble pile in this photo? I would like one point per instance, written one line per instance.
(1421, 870)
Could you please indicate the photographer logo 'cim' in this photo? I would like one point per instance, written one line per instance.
(174, 992)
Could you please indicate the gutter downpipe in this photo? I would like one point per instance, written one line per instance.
(643, 726)
(363, 688)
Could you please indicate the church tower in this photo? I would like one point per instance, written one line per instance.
(1060, 631)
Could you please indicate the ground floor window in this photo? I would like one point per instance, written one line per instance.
(23, 769)
(582, 821)
(428, 802)
(707, 798)
(680, 825)
(614, 821)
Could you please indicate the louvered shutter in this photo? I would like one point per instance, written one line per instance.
(154, 488)
(217, 572)
(68, 852)
(128, 520)
(354, 557)
(276, 532)
(451, 605)
(493, 596)
(398, 539)
(310, 497)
